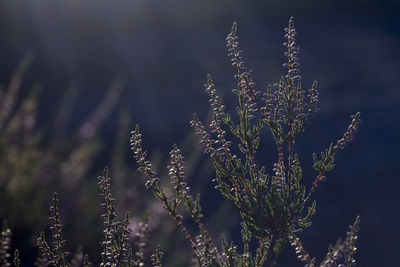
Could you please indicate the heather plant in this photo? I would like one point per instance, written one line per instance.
(274, 207)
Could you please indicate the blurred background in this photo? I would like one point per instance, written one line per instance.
(76, 76)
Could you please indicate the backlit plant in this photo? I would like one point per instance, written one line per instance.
(274, 205)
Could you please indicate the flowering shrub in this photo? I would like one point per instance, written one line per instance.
(274, 206)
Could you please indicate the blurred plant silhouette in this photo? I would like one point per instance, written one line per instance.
(35, 161)
(274, 207)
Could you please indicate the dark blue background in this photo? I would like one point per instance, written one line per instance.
(166, 48)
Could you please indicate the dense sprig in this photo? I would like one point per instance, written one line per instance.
(300, 251)
(5, 245)
(157, 257)
(56, 256)
(342, 254)
(17, 261)
(116, 244)
(326, 163)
